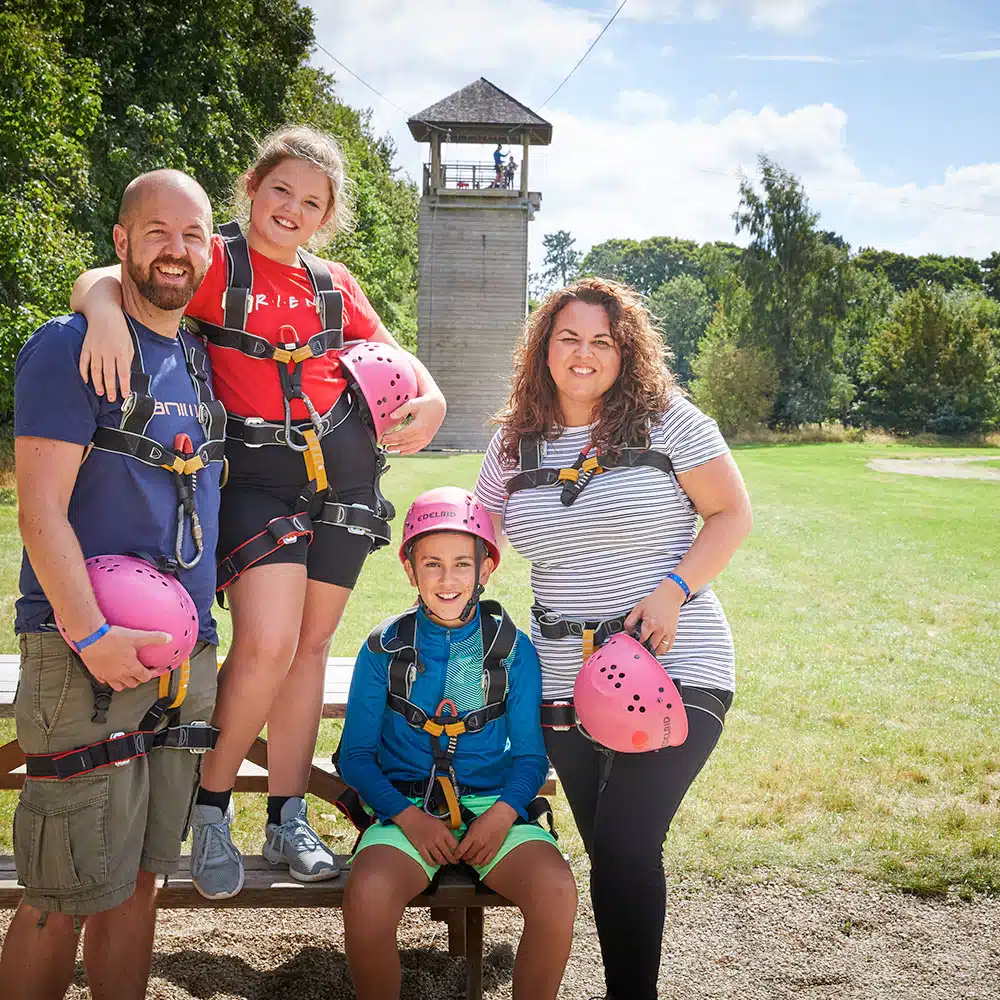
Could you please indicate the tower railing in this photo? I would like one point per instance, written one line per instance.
(474, 177)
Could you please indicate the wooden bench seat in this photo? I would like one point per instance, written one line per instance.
(458, 900)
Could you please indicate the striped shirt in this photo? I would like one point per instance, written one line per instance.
(624, 533)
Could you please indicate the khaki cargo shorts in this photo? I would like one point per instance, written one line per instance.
(80, 843)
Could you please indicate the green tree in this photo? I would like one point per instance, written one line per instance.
(381, 251)
(49, 105)
(643, 264)
(990, 269)
(795, 280)
(733, 384)
(561, 260)
(932, 367)
(190, 87)
(683, 309)
(905, 272)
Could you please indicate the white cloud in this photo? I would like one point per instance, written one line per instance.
(778, 15)
(639, 169)
(681, 178)
(980, 55)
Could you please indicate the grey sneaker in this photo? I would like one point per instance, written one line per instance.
(296, 844)
(216, 863)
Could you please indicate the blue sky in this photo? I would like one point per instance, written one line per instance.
(885, 109)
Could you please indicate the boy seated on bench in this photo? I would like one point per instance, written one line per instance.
(443, 744)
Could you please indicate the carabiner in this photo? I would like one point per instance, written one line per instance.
(288, 430)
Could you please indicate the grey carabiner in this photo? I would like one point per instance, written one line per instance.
(196, 536)
(288, 430)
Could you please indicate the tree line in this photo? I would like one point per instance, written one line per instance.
(93, 93)
(796, 329)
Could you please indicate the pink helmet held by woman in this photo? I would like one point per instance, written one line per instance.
(131, 593)
(625, 700)
(384, 378)
(449, 508)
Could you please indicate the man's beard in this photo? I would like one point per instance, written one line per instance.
(163, 297)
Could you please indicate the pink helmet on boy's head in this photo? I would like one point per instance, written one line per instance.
(626, 701)
(383, 376)
(449, 508)
(132, 593)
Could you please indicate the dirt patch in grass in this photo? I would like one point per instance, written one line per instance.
(945, 468)
(785, 938)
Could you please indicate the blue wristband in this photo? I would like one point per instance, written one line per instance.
(92, 638)
(680, 583)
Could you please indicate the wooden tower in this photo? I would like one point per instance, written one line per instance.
(474, 253)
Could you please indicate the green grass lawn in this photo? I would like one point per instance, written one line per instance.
(865, 609)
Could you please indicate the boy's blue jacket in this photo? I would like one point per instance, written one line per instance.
(506, 758)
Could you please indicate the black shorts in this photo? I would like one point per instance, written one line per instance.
(265, 483)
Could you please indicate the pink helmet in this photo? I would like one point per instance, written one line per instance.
(449, 508)
(625, 700)
(131, 593)
(384, 377)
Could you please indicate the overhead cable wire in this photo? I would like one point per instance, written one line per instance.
(584, 56)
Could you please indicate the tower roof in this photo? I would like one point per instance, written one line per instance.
(480, 112)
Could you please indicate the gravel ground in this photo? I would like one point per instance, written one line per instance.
(851, 939)
(945, 468)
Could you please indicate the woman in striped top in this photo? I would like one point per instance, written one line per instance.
(621, 547)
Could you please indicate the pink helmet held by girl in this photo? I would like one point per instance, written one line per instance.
(625, 700)
(132, 593)
(384, 378)
(449, 508)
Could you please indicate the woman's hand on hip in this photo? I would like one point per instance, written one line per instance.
(658, 614)
(427, 414)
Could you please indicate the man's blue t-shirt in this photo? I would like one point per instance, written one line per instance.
(497, 159)
(118, 504)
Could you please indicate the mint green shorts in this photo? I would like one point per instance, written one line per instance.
(520, 833)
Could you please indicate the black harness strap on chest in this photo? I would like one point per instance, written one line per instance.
(130, 437)
(575, 477)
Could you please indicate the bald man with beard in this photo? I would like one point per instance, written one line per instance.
(90, 838)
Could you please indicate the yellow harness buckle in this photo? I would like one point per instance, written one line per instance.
(174, 685)
(592, 464)
(434, 728)
(281, 355)
(315, 464)
(588, 643)
(568, 475)
(301, 354)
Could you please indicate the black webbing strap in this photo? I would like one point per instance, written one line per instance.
(357, 519)
(239, 282)
(277, 532)
(552, 625)
(255, 432)
(561, 715)
(533, 475)
(198, 737)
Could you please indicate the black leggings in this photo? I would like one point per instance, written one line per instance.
(623, 804)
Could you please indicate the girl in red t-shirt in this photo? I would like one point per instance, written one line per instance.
(286, 603)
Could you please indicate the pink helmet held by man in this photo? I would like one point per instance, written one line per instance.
(625, 700)
(384, 378)
(132, 593)
(449, 508)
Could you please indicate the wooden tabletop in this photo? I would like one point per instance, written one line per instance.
(338, 683)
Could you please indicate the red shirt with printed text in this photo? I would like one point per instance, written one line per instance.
(282, 297)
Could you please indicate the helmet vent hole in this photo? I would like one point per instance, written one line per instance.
(622, 676)
(631, 708)
(661, 690)
(642, 708)
(618, 684)
(635, 697)
(603, 669)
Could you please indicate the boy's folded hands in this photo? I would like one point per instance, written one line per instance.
(485, 835)
(430, 836)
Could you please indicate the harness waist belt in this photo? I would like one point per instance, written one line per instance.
(560, 714)
(256, 432)
(119, 749)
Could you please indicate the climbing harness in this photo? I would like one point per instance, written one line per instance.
(440, 794)
(119, 748)
(316, 504)
(130, 438)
